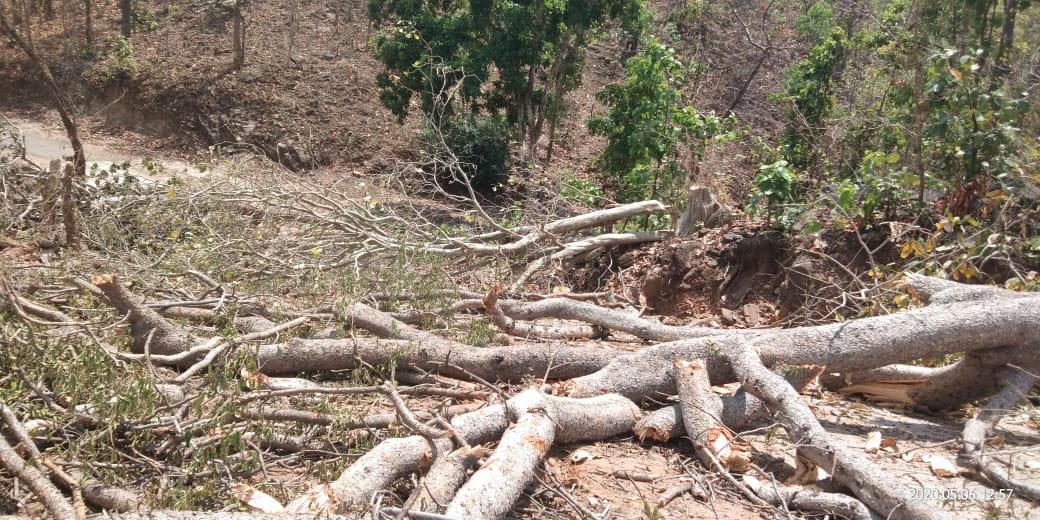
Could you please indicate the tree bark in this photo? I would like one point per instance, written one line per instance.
(841, 347)
(35, 480)
(238, 37)
(866, 480)
(996, 330)
(88, 23)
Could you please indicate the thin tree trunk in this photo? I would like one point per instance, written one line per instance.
(525, 115)
(1001, 67)
(125, 15)
(89, 22)
(294, 6)
(917, 152)
(556, 78)
(238, 42)
(79, 161)
(747, 83)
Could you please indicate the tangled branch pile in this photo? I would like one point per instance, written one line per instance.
(166, 386)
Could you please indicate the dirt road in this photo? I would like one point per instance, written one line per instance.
(44, 143)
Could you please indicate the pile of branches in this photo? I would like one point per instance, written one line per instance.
(184, 373)
(474, 460)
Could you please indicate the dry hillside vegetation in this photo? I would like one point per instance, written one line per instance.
(326, 320)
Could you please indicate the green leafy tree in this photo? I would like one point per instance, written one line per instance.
(648, 127)
(516, 58)
(946, 115)
(809, 87)
(972, 129)
(816, 23)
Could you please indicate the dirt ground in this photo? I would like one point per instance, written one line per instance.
(916, 438)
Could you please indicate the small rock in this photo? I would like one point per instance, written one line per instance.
(729, 317)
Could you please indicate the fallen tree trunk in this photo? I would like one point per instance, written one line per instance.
(995, 329)
(513, 363)
(841, 347)
(538, 420)
(992, 333)
(869, 483)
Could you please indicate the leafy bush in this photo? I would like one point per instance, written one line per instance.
(144, 18)
(773, 183)
(475, 146)
(121, 61)
(649, 128)
(808, 86)
(582, 190)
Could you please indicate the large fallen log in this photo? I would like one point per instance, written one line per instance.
(996, 330)
(1006, 328)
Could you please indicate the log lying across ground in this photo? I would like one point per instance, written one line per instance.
(597, 389)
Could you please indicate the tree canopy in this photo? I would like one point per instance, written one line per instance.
(516, 58)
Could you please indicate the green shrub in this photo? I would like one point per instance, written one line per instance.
(121, 61)
(474, 146)
(773, 183)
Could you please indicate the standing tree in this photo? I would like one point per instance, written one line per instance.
(948, 114)
(648, 127)
(126, 17)
(238, 37)
(512, 58)
(809, 86)
(88, 22)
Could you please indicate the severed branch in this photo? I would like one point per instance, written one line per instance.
(805, 500)
(409, 419)
(1007, 327)
(700, 409)
(167, 338)
(888, 374)
(877, 490)
(665, 424)
(539, 421)
(531, 330)
(602, 318)
(210, 515)
(1016, 388)
(56, 503)
(582, 246)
